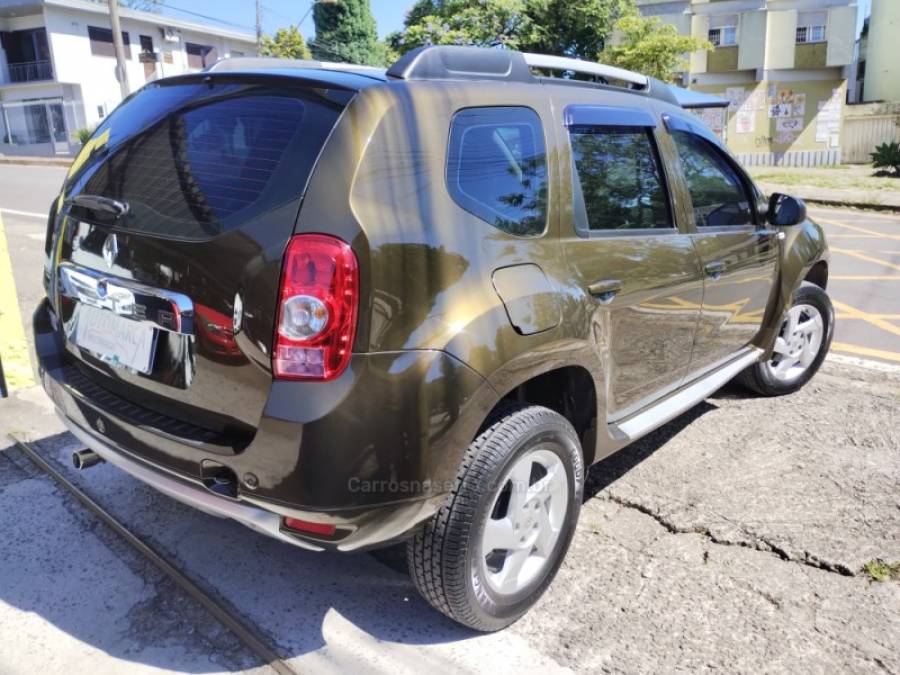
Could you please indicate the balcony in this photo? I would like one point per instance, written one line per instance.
(722, 59)
(30, 71)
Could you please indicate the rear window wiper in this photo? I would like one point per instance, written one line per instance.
(97, 203)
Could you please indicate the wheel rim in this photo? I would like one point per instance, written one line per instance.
(798, 343)
(524, 522)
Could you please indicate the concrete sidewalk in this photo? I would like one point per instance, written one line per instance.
(881, 200)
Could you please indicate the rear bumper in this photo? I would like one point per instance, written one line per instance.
(353, 464)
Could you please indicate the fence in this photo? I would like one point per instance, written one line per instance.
(866, 127)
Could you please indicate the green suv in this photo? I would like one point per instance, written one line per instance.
(351, 307)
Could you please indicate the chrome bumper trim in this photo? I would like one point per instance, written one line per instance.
(187, 492)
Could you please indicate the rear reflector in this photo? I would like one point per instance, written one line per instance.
(307, 527)
(317, 309)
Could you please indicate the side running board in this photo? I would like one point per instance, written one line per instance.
(655, 416)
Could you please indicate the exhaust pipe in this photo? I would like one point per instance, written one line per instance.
(85, 459)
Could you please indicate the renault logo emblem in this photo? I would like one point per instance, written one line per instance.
(110, 250)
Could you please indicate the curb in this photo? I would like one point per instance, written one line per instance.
(36, 161)
(836, 203)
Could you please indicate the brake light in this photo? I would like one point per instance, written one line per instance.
(317, 309)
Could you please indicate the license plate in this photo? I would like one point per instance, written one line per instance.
(114, 339)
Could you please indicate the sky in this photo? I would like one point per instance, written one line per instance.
(388, 13)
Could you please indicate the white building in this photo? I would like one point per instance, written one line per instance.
(57, 66)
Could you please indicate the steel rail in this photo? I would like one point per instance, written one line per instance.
(244, 633)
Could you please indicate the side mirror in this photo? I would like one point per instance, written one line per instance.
(785, 210)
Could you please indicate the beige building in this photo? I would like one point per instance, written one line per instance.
(784, 66)
(879, 71)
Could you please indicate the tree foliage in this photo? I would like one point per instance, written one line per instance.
(650, 47)
(345, 31)
(141, 5)
(560, 27)
(287, 43)
(567, 28)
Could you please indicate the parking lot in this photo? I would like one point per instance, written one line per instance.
(735, 538)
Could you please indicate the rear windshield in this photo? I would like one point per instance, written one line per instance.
(193, 160)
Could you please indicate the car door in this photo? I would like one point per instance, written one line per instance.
(626, 251)
(737, 251)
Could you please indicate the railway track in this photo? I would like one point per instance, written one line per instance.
(238, 626)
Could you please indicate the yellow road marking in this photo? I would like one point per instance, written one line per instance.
(885, 317)
(875, 216)
(867, 258)
(865, 316)
(857, 228)
(865, 351)
(863, 277)
(13, 347)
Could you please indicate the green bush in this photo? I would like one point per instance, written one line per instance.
(887, 156)
(83, 134)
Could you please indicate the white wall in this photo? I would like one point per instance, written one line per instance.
(67, 30)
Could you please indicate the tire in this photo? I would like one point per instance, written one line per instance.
(763, 377)
(446, 558)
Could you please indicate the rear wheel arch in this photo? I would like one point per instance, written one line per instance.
(568, 390)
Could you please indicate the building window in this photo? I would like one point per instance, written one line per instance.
(102, 42)
(811, 27)
(810, 34)
(200, 56)
(726, 36)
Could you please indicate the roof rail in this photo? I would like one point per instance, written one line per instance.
(259, 63)
(235, 63)
(563, 63)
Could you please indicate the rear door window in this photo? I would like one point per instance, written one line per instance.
(497, 167)
(618, 173)
(195, 160)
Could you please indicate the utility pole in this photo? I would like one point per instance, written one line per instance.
(121, 72)
(258, 26)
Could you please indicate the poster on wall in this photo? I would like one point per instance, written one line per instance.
(780, 110)
(736, 97)
(745, 122)
(714, 118)
(789, 124)
(828, 120)
(799, 105)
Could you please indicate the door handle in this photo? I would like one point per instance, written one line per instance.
(714, 269)
(605, 290)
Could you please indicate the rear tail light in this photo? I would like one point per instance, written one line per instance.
(317, 309)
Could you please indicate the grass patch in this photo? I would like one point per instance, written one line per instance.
(879, 570)
(846, 177)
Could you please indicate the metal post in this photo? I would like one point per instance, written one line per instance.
(258, 27)
(120, 47)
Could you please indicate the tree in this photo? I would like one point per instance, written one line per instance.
(650, 47)
(580, 29)
(559, 27)
(141, 5)
(487, 23)
(345, 31)
(287, 43)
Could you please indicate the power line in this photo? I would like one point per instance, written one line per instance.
(206, 16)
